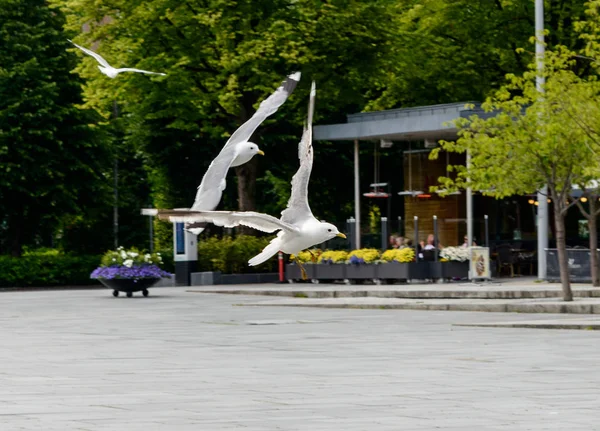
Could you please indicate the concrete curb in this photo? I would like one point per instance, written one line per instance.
(406, 294)
(576, 307)
(586, 326)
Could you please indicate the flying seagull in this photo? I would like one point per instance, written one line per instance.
(107, 69)
(237, 151)
(298, 228)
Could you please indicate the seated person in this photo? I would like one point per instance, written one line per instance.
(431, 243)
(466, 242)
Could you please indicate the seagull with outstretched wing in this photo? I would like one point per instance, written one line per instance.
(107, 69)
(298, 228)
(237, 151)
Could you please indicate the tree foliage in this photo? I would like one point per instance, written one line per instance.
(222, 58)
(51, 154)
(460, 50)
(530, 139)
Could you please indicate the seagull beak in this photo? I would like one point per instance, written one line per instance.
(341, 235)
(261, 152)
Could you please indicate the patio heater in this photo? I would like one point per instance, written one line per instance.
(410, 191)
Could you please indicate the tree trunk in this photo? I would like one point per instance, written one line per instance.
(246, 175)
(16, 241)
(593, 241)
(561, 246)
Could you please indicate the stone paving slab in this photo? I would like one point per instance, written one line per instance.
(83, 360)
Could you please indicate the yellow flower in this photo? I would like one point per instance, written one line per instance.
(399, 255)
(369, 255)
(306, 257)
(335, 256)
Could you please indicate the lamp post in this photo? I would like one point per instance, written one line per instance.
(151, 231)
(542, 195)
(116, 186)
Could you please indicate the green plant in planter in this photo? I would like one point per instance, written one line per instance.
(402, 255)
(334, 256)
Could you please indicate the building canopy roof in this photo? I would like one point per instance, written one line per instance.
(404, 124)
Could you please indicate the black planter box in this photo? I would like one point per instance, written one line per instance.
(451, 269)
(361, 271)
(129, 286)
(331, 271)
(579, 261)
(395, 270)
(293, 273)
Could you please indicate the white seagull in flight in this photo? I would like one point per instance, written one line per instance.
(298, 228)
(107, 69)
(237, 151)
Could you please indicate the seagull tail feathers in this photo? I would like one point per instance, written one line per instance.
(269, 251)
(196, 230)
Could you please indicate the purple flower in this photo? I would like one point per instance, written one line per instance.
(136, 272)
(356, 260)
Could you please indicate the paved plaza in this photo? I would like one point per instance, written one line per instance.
(178, 360)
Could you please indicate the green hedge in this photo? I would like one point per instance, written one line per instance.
(51, 267)
(230, 255)
(47, 269)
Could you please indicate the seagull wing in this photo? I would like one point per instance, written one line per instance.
(266, 108)
(100, 60)
(228, 219)
(298, 210)
(213, 183)
(131, 69)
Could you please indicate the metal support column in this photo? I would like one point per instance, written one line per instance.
(435, 239)
(356, 196)
(384, 234)
(542, 196)
(416, 238)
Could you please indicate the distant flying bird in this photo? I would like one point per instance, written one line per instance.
(107, 69)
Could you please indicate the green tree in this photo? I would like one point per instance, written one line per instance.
(531, 136)
(51, 153)
(460, 50)
(222, 58)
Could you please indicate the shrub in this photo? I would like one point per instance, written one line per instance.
(333, 256)
(403, 255)
(363, 255)
(230, 255)
(47, 268)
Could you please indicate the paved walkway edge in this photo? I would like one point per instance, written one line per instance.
(556, 308)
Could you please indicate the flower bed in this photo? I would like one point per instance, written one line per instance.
(370, 264)
(129, 271)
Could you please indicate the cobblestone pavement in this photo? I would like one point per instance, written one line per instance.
(83, 360)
